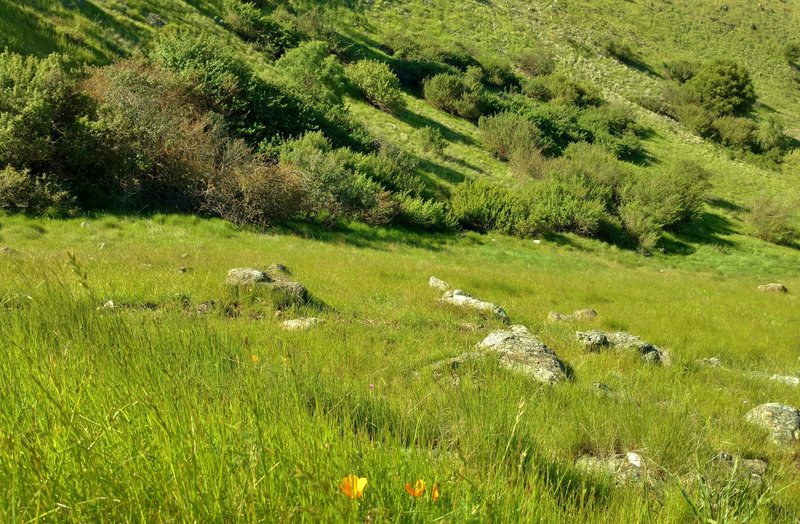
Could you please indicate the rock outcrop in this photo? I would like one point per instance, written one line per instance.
(623, 469)
(773, 288)
(435, 283)
(276, 279)
(517, 350)
(459, 298)
(581, 314)
(301, 324)
(781, 420)
(595, 341)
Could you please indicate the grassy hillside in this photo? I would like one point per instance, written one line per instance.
(179, 413)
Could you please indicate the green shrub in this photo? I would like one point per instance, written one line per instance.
(39, 105)
(696, 118)
(614, 127)
(772, 220)
(431, 140)
(537, 89)
(22, 192)
(504, 132)
(536, 63)
(557, 124)
(378, 84)
(791, 163)
(481, 206)
(622, 51)
(497, 72)
(455, 94)
(735, 132)
(595, 163)
(681, 71)
(527, 161)
(424, 214)
(569, 92)
(564, 203)
(770, 134)
(313, 74)
(247, 20)
(424, 48)
(392, 168)
(791, 51)
(723, 88)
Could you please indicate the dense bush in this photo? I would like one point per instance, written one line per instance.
(424, 214)
(558, 124)
(723, 88)
(772, 220)
(735, 132)
(696, 118)
(568, 91)
(527, 161)
(505, 132)
(481, 206)
(536, 63)
(39, 105)
(791, 163)
(791, 52)
(497, 72)
(770, 134)
(653, 201)
(313, 74)
(681, 71)
(564, 203)
(247, 20)
(424, 48)
(614, 127)
(459, 95)
(22, 192)
(392, 168)
(378, 84)
(431, 140)
(595, 163)
(614, 48)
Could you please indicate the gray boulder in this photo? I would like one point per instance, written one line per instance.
(435, 283)
(595, 341)
(245, 276)
(301, 324)
(773, 288)
(459, 298)
(276, 279)
(781, 420)
(623, 469)
(517, 350)
(755, 469)
(581, 314)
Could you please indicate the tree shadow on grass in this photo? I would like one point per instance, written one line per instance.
(418, 121)
(367, 237)
(709, 229)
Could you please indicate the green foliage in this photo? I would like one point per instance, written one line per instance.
(567, 91)
(431, 140)
(791, 163)
(696, 118)
(735, 132)
(38, 108)
(22, 192)
(565, 203)
(723, 88)
(459, 95)
(422, 214)
(378, 84)
(482, 206)
(791, 51)
(527, 161)
(770, 134)
(536, 63)
(614, 127)
(497, 72)
(771, 219)
(247, 20)
(313, 73)
(392, 168)
(618, 49)
(505, 132)
(681, 71)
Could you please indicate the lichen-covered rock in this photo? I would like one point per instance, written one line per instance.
(517, 350)
(597, 340)
(435, 283)
(581, 314)
(245, 276)
(301, 324)
(712, 362)
(773, 288)
(781, 420)
(459, 298)
(275, 279)
(755, 469)
(623, 469)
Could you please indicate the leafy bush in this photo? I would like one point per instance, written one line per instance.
(392, 168)
(247, 20)
(558, 124)
(313, 73)
(481, 206)
(770, 134)
(564, 203)
(378, 84)
(791, 52)
(791, 163)
(735, 132)
(772, 220)
(654, 201)
(614, 127)
(527, 161)
(622, 51)
(431, 140)
(681, 71)
(723, 88)
(424, 214)
(497, 72)
(455, 94)
(423, 48)
(595, 163)
(536, 63)
(569, 92)
(696, 118)
(505, 132)
(39, 105)
(22, 192)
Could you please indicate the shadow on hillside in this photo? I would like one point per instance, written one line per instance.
(367, 237)
(707, 230)
(418, 121)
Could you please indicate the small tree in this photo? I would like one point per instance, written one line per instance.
(313, 73)
(772, 220)
(724, 88)
(378, 84)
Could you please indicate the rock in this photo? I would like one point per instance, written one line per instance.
(435, 283)
(517, 350)
(784, 379)
(523, 352)
(301, 324)
(244, 276)
(623, 469)
(8, 251)
(597, 340)
(781, 420)
(275, 278)
(155, 20)
(581, 314)
(603, 390)
(712, 362)
(773, 288)
(205, 307)
(457, 297)
(184, 270)
(755, 469)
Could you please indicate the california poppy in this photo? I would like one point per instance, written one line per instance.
(418, 490)
(353, 486)
(435, 492)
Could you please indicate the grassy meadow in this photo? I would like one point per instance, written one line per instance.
(155, 411)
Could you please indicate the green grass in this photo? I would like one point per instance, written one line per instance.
(161, 414)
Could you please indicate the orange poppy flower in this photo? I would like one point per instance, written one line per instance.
(353, 486)
(254, 359)
(418, 490)
(435, 494)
